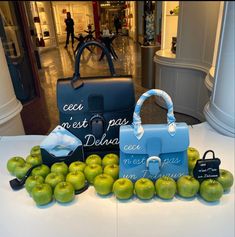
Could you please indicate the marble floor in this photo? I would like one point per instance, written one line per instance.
(59, 63)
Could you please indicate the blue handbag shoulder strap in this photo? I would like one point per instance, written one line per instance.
(76, 81)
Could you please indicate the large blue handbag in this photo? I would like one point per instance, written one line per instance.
(93, 108)
(153, 150)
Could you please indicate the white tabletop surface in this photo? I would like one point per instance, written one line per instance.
(92, 216)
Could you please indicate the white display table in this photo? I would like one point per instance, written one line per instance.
(92, 216)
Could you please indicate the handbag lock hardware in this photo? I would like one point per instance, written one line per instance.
(97, 124)
(153, 164)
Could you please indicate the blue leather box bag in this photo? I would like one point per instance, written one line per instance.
(153, 150)
(93, 108)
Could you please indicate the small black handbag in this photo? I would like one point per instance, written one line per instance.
(93, 108)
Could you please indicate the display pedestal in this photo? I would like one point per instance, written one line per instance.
(148, 66)
(91, 215)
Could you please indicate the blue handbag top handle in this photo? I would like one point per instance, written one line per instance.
(75, 81)
(138, 129)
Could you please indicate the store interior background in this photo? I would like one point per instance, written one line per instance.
(33, 37)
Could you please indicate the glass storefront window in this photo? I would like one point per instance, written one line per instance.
(16, 51)
(42, 17)
(11, 44)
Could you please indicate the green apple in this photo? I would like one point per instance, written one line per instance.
(193, 156)
(77, 179)
(123, 188)
(42, 170)
(165, 187)
(77, 166)
(13, 162)
(110, 159)
(60, 167)
(54, 178)
(103, 184)
(211, 190)
(31, 181)
(42, 194)
(144, 188)
(64, 192)
(187, 186)
(91, 171)
(93, 159)
(34, 160)
(112, 170)
(35, 151)
(21, 170)
(226, 179)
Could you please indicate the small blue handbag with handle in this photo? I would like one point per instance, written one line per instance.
(153, 150)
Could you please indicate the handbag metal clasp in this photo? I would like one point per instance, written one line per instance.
(97, 125)
(153, 164)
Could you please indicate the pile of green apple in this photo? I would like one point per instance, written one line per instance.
(60, 181)
(18, 166)
(165, 187)
(210, 189)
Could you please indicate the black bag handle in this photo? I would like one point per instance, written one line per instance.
(76, 82)
(204, 156)
(79, 191)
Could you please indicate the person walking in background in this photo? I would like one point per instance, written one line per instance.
(105, 30)
(117, 23)
(69, 28)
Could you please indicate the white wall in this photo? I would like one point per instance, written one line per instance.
(197, 32)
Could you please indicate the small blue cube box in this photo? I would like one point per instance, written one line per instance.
(61, 145)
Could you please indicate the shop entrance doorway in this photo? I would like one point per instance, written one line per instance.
(81, 13)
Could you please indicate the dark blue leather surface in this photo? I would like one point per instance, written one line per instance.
(112, 99)
(118, 93)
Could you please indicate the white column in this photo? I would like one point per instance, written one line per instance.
(209, 80)
(10, 107)
(219, 111)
